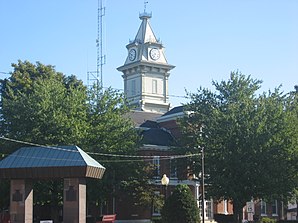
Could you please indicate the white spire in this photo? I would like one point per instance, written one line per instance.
(146, 70)
(145, 33)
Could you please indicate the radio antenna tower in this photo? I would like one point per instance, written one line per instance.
(96, 77)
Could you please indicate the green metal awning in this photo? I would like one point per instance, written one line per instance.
(50, 162)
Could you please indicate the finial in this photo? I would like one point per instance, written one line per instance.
(145, 5)
(145, 15)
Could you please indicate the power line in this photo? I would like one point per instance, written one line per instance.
(100, 154)
(178, 96)
(148, 160)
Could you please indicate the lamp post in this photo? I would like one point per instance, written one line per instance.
(203, 187)
(165, 181)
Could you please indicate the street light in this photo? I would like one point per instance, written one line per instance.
(203, 187)
(165, 181)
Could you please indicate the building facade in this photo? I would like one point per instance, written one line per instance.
(145, 74)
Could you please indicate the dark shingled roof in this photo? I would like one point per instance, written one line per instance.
(139, 117)
(174, 110)
(50, 162)
(149, 124)
(157, 136)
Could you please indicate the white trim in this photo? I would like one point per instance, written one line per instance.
(275, 214)
(209, 210)
(146, 147)
(225, 207)
(156, 164)
(154, 86)
(263, 203)
(175, 182)
(173, 168)
(170, 117)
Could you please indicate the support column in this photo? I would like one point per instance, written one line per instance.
(74, 200)
(21, 201)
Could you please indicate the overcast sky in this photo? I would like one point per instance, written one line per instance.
(204, 39)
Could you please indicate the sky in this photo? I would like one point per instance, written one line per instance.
(205, 39)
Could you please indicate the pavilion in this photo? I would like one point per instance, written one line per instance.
(33, 163)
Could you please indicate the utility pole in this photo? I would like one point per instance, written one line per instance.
(203, 186)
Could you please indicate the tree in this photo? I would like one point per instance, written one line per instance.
(42, 106)
(292, 133)
(247, 152)
(111, 132)
(180, 207)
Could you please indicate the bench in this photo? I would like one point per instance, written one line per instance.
(108, 219)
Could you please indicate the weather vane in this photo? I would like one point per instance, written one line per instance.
(145, 5)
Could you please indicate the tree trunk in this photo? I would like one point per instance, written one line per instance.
(237, 212)
(296, 199)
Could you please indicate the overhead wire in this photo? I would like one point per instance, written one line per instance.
(133, 157)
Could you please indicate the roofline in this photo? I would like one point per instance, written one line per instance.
(52, 172)
(154, 147)
(170, 117)
(139, 63)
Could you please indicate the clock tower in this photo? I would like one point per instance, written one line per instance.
(146, 71)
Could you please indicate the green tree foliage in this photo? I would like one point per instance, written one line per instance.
(247, 139)
(43, 106)
(180, 207)
(111, 132)
(292, 133)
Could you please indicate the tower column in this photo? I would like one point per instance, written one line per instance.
(147, 65)
(165, 88)
(21, 201)
(74, 200)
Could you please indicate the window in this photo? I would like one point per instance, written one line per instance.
(209, 210)
(156, 166)
(154, 86)
(133, 87)
(263, 208)
(173, 166)
(156, 210)
(274, 208)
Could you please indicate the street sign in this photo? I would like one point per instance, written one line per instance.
(250, 207)
(250, 217)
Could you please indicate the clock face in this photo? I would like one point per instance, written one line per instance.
(132, 54)
(154, 54)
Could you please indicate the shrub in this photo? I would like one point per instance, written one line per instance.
(267, 220)
(180, 207)
(222, 218)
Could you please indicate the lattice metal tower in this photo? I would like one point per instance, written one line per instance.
(96, 77)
